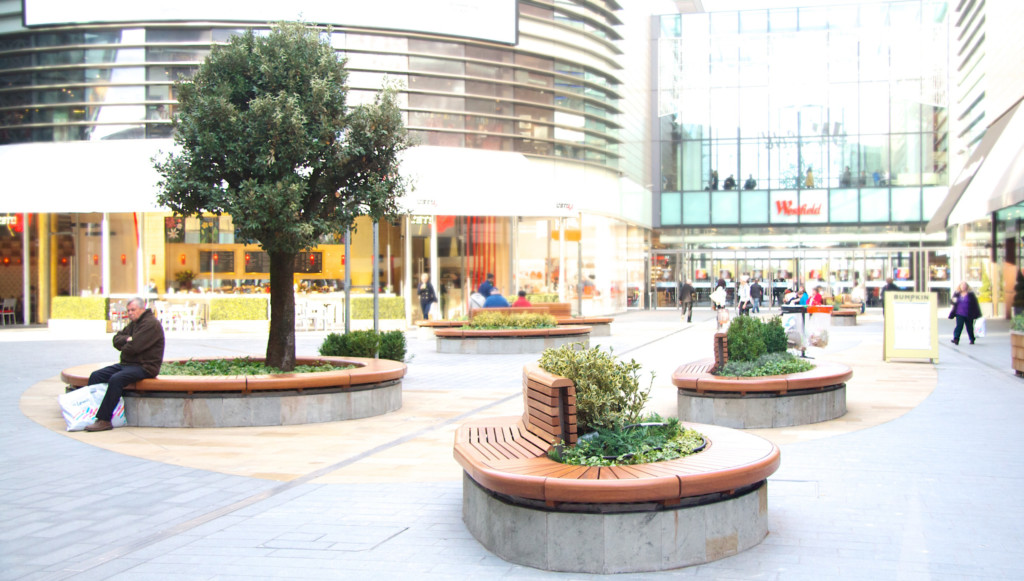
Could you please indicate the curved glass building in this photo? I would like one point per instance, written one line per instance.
(531, 143)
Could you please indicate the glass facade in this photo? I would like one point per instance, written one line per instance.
(97, 83)
(825, 115)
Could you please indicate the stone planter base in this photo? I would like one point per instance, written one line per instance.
(763, 410)
(507, 345)
(623, 538)
(261, 408)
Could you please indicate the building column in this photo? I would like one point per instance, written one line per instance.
(26, 271)
(105, 253)
(43, 269)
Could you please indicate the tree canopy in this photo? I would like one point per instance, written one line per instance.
(265, 135)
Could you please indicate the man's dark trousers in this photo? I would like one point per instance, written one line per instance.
(116, 377)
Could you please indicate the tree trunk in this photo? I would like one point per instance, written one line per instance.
(281, 342)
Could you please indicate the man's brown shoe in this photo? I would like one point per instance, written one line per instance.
(99, 426)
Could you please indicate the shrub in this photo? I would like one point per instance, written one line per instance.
(1018, 292)
(745, 339)
(607, 391)
(484, 319)
(387, 345)
(767, 364)
(89, 308)
(774, 335)
(239, 309)
(390, 307)
(1018, 323)
(392, 345)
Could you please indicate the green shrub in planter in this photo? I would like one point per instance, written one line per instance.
(392, 345)
(542, 298)
(484, 319)
(390, 307)
(608, 391)
(388, 345)
(1018, 323)
(745, 339)
(238, 309)
(774, 335)
(81, 308)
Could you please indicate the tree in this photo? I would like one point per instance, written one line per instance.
(265, 135)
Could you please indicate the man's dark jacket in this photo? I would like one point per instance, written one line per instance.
(146, 348)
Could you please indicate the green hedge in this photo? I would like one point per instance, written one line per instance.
(83, 308)
(387, 345)
(390, 307)
(240, 309)
(484, 319)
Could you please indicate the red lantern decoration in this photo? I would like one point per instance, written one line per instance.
(124, 259)
(7, 261)
(63, 260)
(312, 259)
(182, 258)
(247, 257)
(152, 259)
(96, 259)
(216, 258)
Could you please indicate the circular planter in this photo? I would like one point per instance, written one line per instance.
(1017, 352)
(372, 388)
(508, 341)
(775, 401)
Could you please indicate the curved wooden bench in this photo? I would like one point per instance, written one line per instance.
(366, 372)
(514, 496)
(761, 402)
(372, 388)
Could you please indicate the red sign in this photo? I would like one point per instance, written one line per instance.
(788, 208)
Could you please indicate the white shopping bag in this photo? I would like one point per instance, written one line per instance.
(79, 407)
(979, 327)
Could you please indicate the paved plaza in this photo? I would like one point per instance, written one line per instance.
(922, 479)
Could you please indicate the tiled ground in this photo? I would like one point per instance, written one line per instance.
(921, 480)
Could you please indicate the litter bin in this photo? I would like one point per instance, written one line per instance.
(793, 322)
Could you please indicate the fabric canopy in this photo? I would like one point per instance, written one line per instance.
(993, 178)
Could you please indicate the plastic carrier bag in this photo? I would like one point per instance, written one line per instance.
(79, 407)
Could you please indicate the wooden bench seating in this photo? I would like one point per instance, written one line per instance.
(509, 456)
(845, 318)
(368, 371)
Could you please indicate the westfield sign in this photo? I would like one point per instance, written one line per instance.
(788, 208)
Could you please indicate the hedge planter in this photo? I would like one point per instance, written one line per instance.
(372, 388)
(498, 341)
(774, 401)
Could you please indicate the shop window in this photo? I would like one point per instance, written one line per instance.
(257, 262)
(216, 261)
(309, 262)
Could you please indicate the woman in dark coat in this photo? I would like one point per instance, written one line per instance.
(427, 294)
(966, 310)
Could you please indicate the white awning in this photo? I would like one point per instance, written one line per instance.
(993, 178)
(82, 176)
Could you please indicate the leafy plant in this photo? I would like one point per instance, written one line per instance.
(83, 308)
(745, 339)
(389, 307)
(765, 365)
(774, 335)
(392, 345)
(654, 439)
(607, 390)
(985, 292)
(484, 319)
(184, 277)
(1018, 323)
(1018, 292)
(238, 309)
(239, 366)
(351, 344)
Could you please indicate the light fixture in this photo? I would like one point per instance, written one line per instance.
(96, 259)
(124, 259)
(152, 259)
(182, 259)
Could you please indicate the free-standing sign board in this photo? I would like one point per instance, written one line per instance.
(911, 326)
